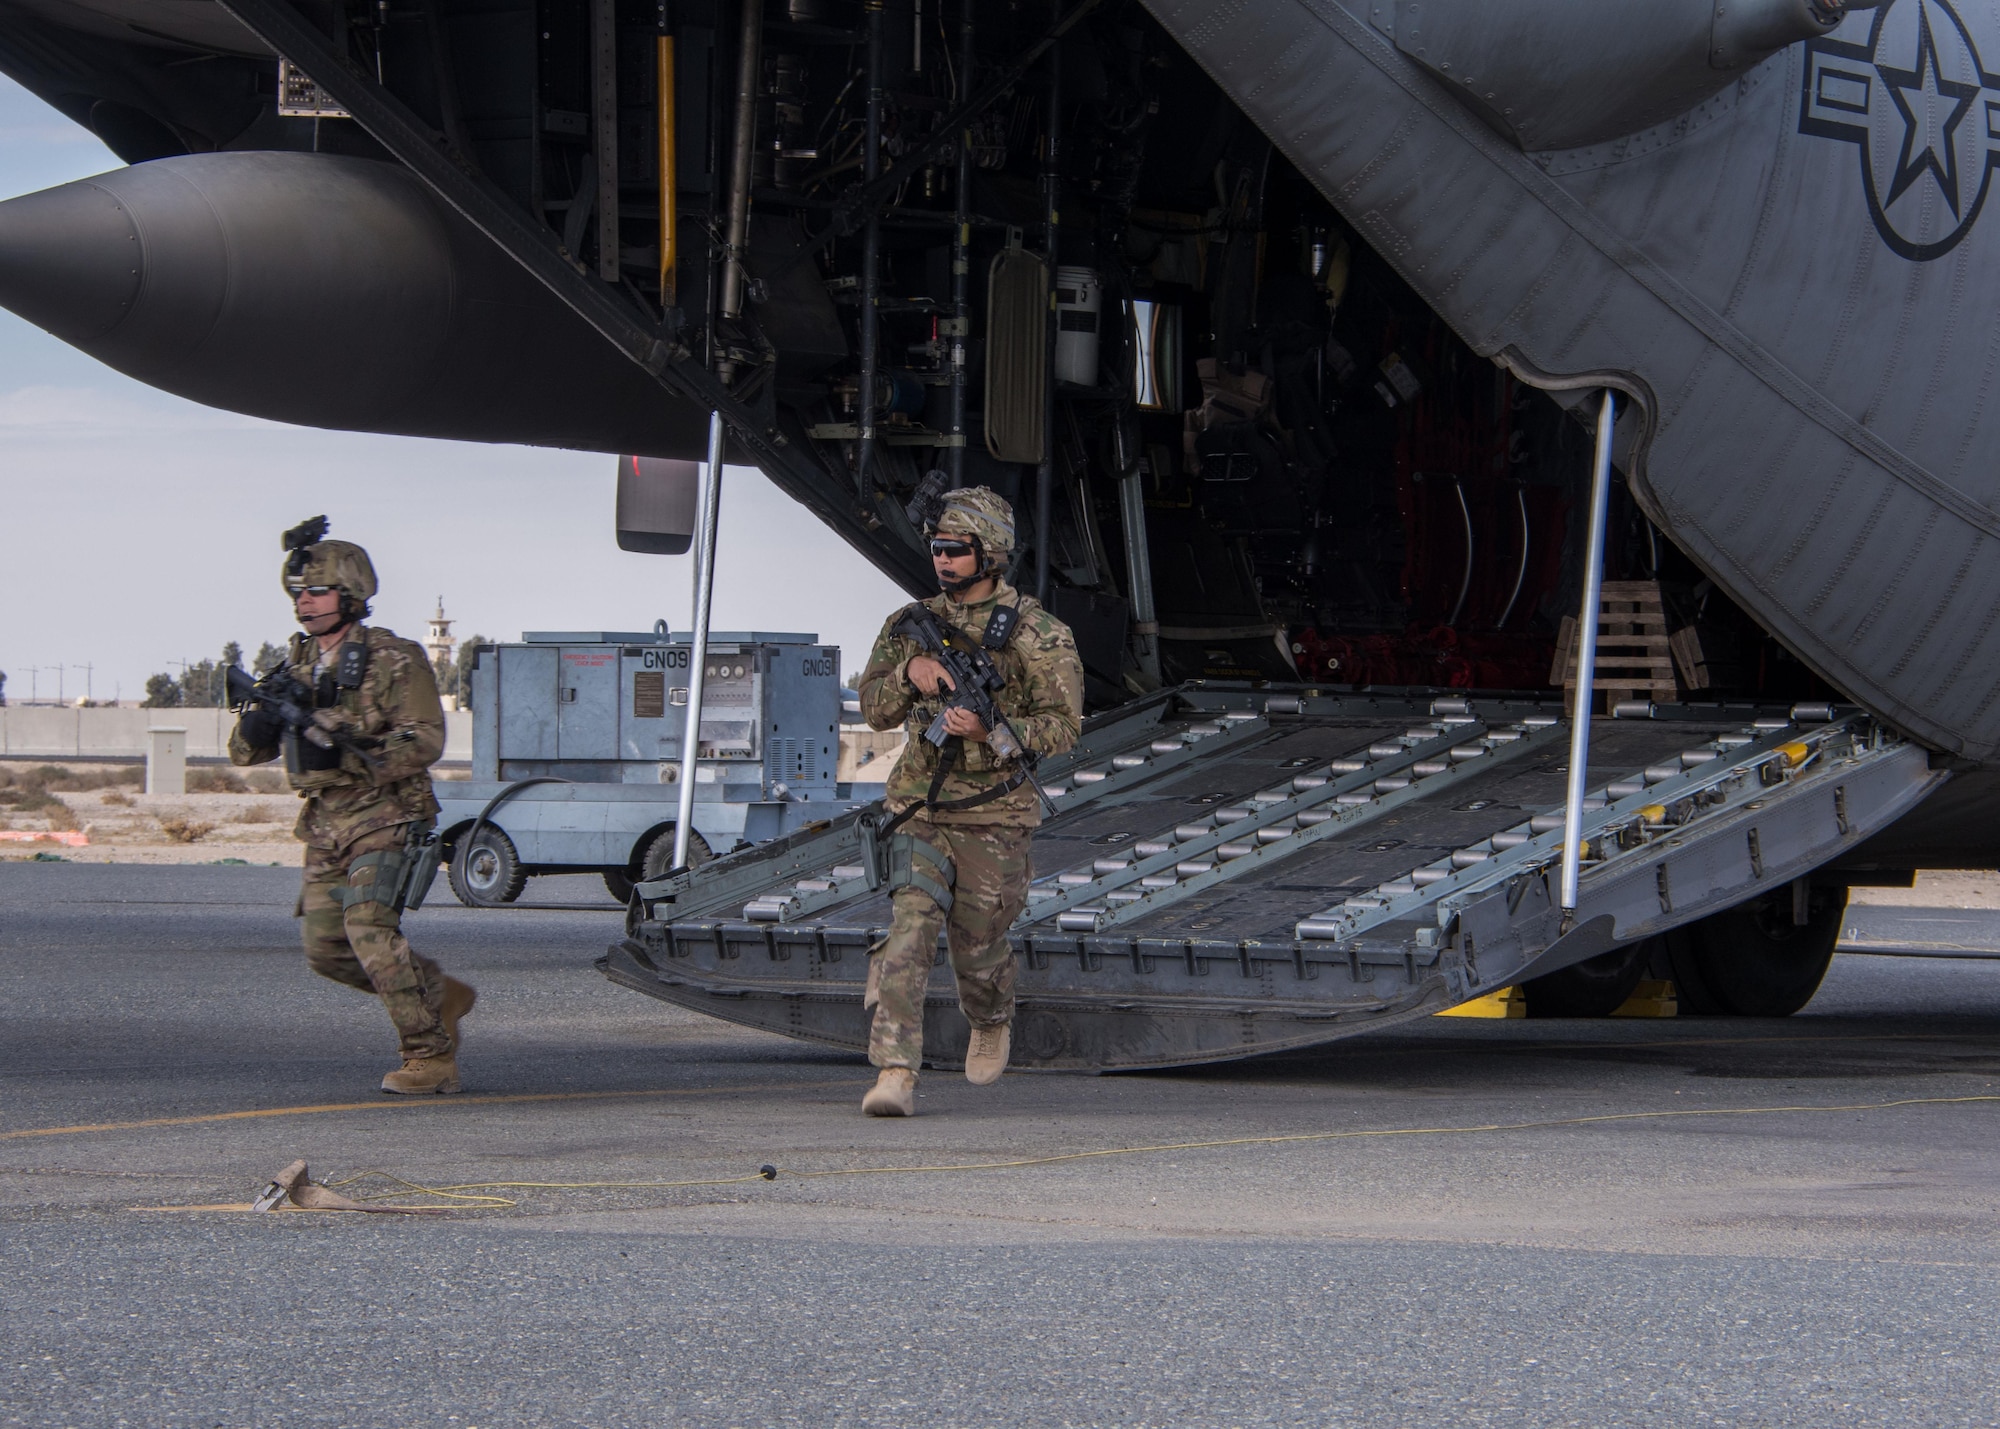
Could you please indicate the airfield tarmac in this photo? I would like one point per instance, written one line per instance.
(1473, 1222)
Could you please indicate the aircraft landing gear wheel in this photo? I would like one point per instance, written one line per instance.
(1595, 987)
(487, 872)
(1753, 960)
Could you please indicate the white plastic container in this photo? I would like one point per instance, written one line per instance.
(1079, 302)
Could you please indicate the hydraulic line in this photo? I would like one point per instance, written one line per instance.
(961, 261)
(604, 131)
(743, 142)
(1045, 476)
(1465, 581)
(1520, 571)
(871, 261)
(668, 140)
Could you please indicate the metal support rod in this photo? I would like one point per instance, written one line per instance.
(604, 131)
(1138, 557)
(871, 264)
(742, 146)
(1586, 661)
(1045, 477)
(961, 260)
(708, 505)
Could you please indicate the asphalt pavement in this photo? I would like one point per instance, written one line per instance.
(1617, 1222)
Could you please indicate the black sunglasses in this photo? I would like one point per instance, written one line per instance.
(316, 590)
(952, 550)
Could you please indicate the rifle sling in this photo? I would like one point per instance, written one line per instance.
(930, 801)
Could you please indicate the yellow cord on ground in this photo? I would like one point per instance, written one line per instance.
(460, 1103)
(466, 1191)
(458, 1193)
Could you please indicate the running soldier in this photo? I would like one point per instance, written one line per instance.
(376, 726)
(959, 857)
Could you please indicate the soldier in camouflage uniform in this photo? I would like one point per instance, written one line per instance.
(366, 812)
(959, 860)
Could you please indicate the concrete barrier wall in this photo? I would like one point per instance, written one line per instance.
(56, 732)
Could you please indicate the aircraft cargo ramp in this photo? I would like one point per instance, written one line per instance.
(1236, 870)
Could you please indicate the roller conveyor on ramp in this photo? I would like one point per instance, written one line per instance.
(1235, 870)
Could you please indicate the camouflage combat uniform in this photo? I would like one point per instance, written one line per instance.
(352, 935)
(986, 846)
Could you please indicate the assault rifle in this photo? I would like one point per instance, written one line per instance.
(290, 701)
(975, 678)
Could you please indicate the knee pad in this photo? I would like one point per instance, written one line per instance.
(919, 864)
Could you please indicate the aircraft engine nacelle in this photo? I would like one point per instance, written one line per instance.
(1559, 74)
(325, 291)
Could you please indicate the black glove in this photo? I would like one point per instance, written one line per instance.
(260, 730)
(311, 758)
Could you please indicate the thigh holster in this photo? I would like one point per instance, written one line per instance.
(916, 863)
(389, 869)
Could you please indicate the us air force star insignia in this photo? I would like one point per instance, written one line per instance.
(1925, 114)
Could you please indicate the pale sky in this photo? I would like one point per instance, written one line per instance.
(138, 529)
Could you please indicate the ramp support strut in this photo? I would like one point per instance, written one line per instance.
(707, 508)
(1586, 661)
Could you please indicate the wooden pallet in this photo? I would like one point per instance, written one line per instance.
(1634, 654)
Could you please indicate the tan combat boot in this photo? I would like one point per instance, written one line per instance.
(894, 1093)
(986, 1057)
(420, 1075)
(457, 1001)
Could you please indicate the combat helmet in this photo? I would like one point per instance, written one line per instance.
(312, 560)
(982, 514)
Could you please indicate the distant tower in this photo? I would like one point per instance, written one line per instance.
(439, 643)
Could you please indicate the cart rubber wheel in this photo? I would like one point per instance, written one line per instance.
(1595, 987)
(659, 855)
(488, 872)
(618, 884)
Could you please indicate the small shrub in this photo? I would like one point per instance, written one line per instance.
(27, 794)
(117, 800)
(182, 829)
(265, 781)
(51, 776)
(258, 813)
(103, 778)
(215, 781)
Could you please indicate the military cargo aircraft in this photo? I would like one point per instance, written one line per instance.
(1288, 326)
